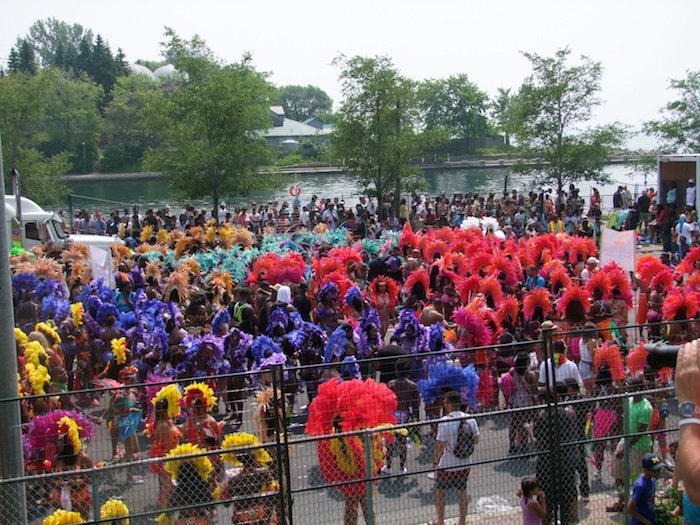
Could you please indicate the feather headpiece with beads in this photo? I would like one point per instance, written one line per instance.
(575, 304)
(199, 391)
(610, 355)
(392, 289)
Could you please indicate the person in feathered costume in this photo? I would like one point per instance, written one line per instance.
(599, 287)
(537, 304)
(690, 263)
(165, 434)
(63, 517)
(193, 485)
(326, 312)
(200, 428)
(354, 303)
(508, 313)
(253, 478)
(609, 354)
(410, 334)
(345, 407)
(474, 331)
(366, 336)
(444, 376)
(311, 353)
(574, 305)
(417, 285)
(340, 344)
(236, 346)
(492, 291)
(679, 307)
(56, 439)
(115, 512)
(384, 295)
(467, 288)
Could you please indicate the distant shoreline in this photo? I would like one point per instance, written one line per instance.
(483, 162)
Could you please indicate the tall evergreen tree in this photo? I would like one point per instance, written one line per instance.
(27, 58)
(13, 61)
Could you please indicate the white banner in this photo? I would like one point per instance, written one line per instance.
(101, 261)
(618, 246)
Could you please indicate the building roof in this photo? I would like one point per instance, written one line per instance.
(294, 128)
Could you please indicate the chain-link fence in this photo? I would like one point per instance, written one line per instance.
(249, 460)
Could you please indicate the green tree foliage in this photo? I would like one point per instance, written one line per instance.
(552, 106)
(375, 129)
(209, 126)
(23, 59)
(679, 126)
(56, 42)
(125, 131)
(304, 102)
(73, 122)
(456, 105)
(503, 113)
(24, 102)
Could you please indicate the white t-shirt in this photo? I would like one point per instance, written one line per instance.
(566, 370)
(690, 196)
(448, 427)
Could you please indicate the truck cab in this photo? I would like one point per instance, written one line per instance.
(45, 227)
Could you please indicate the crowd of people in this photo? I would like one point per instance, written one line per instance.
(195, 299)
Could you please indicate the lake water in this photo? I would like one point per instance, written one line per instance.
(156, 193)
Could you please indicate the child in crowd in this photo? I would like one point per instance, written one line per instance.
(532, 502)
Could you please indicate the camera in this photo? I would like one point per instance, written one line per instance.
(662, 355)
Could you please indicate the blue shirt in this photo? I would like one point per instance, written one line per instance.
(691, 512)
(643, 494)
(534, 282)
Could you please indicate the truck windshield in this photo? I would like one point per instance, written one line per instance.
(58, 226)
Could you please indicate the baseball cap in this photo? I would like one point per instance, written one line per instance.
(653, 462)
(691, 181)
(592, 260)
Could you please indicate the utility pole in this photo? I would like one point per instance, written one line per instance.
(13, 500)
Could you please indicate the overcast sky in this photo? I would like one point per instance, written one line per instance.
(641, 44)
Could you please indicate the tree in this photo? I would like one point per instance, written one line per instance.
(375, 129)
(503, 113)
(125, 131)
(23, 108)
(26, 58)
(304, 102)
(456, 105)
(679, 126)
(72, 122)
(56, 42)
(209, 125)
(552, 105)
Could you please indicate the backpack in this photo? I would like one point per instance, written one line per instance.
(464, 446)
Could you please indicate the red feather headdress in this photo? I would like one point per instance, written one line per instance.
(503, 268)
(687, 265)
(600, 283)
(610, 354)
(580, 249)
(574, 304)
(480, 261)
(292, 268)
(678, 306)
(417, 276)
(692, 284)
(408, 237)
(467, 287)
(637, 358)
(618, 280)
(538, 298)
(559, 277)
(341, 280)
(431, 249)
(455, 262)
(551, 266)
(491, 287)
(647, 267)
(263, 267)
(508, 310)
(663, 278)
(392, 287)
(475, 330)
(345, 255)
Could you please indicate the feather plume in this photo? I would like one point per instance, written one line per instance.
(418, 277)
(408, 238)
(392, 288)
(538, 298)
(637, 358)
(508, 311)
(490, 287)
(678, 306)
(575, 304)
(610, 355)
(599, 286)
(115, 511)
(231, 442)
(202, 464)
(446, 376)
(467, 287)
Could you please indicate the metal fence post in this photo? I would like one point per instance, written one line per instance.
(276, 373)
(552, 410)
(367, 442)
(285, 446)
(626, 454)
(95, 486)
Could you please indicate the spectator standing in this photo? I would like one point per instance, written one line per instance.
(690, 193)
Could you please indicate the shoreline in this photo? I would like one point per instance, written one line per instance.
(469, 164)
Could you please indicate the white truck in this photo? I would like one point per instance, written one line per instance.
(678, 170)
(45, 227)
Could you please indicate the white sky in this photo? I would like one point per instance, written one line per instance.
(641, 44)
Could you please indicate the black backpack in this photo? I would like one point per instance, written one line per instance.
(464, 446)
